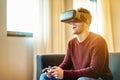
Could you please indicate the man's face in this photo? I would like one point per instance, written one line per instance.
(77, 27)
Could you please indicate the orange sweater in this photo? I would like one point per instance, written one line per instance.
(89, 58)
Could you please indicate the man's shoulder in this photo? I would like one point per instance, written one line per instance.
(73, 39)
(96, 36)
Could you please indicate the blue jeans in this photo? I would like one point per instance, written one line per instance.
(44, 77)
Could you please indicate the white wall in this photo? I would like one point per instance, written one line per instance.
(16, 53)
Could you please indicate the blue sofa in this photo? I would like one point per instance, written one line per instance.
(44, 60)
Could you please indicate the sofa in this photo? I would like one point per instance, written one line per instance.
(45, 60)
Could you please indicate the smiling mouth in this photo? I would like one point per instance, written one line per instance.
(73, 27)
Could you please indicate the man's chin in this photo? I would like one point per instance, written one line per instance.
(75, 33)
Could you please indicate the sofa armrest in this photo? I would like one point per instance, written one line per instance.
(114, 64)
(45, 60)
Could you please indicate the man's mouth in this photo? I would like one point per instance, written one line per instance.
(74, 27)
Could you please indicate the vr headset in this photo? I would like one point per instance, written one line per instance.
(72, 16)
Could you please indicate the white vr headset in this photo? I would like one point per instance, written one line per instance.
(72, 16)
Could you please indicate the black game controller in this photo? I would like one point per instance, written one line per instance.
(46, 70)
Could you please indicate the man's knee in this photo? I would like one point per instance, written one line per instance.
(43, 76)
(86, 78)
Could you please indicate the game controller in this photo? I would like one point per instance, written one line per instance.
(46, 70)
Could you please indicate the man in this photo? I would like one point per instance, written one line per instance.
(87, 54)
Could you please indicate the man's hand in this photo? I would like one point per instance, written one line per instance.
(57, 72)
(49, 72)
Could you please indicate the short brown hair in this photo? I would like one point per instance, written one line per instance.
(86, 14)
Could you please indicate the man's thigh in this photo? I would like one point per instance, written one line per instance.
(43, 76)
(87, 78)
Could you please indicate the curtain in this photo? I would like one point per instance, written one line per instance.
(42, 39)
(104, 22)
(57, 28)
(41, 30)
(49, 33)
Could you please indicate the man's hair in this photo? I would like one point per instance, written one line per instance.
(86, 14)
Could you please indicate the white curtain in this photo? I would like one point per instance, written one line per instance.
(42, 39)
(49, 34)
(57, 28)
(41, 30)
(104, 22)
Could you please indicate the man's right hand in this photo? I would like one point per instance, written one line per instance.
(49, 72)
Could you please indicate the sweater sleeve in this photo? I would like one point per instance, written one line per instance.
(99, 59)
(67, 63)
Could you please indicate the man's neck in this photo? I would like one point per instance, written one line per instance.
(81, 37)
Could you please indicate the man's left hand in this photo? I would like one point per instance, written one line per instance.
(57, 72)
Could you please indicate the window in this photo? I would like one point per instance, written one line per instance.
(91, 6)
(21, 16)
